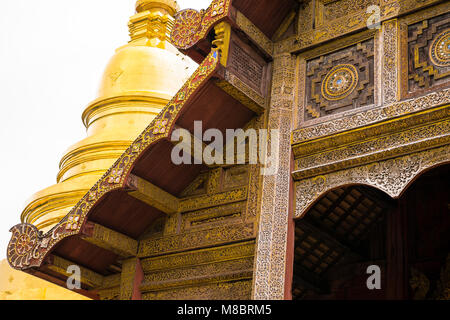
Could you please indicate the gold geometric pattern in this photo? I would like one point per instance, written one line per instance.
(429, 54)
(340, 81)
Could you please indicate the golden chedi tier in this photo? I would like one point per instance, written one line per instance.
(138, 82)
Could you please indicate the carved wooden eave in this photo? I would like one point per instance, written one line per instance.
(143, 185)
(115, 181)
(235, 31)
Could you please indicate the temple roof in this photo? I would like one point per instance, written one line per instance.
(144, 185)
(139, 80)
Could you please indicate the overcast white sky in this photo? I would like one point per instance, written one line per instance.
(52, 55)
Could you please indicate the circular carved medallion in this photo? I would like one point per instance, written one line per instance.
(186, 28)
(440, 50)
(20, 248)
(339, 82)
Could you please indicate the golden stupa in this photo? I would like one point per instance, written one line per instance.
(139, 80)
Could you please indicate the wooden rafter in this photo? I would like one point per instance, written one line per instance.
(108, 239)
(327, 238)
(384, 202)
(152, 195)
(308, 280)
(88, 277)
(336, 203)
(363, 216)
(349, 211)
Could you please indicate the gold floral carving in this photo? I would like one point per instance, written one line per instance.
(371, 116)
(389, 71)
(214, 181)
(211, 217)
(235, 290)
(345, 23)
(109, 293)
(254, 194)
(203, 256)
(194, 257)
(391, 176)
(219, 214)
(230, 270)
(378, 130)
(111, 281)
(196, 239)
(196, 203)
(88, 277)
(372, 144)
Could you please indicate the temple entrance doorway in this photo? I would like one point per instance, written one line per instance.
(353, 231)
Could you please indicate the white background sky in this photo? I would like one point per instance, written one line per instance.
(52, 56)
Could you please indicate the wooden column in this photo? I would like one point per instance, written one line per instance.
(397, 252)
(131, 279)
(290, 240)
(271, 261)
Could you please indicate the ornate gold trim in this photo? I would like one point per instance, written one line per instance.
(372, 116)
(392, 176)
(389, 9)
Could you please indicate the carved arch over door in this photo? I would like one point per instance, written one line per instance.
(393, 176)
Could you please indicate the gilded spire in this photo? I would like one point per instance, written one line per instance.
(170, 6)
(152, 24)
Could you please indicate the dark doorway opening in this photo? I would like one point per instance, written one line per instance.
(354, 227)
